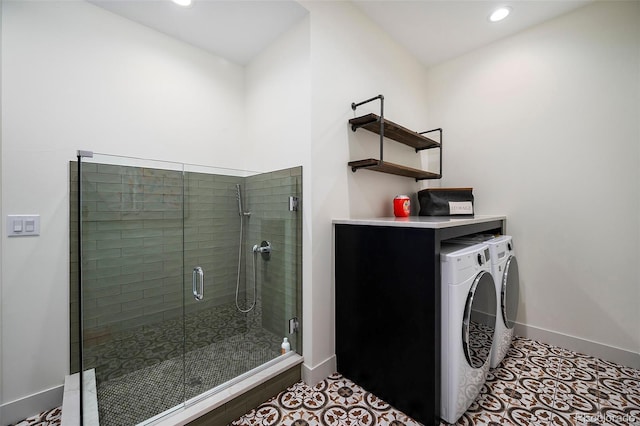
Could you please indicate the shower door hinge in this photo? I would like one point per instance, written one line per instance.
(293, 325)
(293, 203)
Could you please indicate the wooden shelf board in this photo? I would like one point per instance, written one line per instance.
(391, 168)
(394, 131)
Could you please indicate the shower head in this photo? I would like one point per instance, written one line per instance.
(239, 198)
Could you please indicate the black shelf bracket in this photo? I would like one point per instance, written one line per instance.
(398, 133)
(380, 120)
(439, 129)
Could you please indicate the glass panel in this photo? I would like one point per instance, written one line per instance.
(133, 333)
(479, 320)
(280, 276)
(177, 304)
(249, 296)
(510, 292)
(212, 234)
(276, 221)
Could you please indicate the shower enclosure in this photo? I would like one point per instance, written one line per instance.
(183, 279)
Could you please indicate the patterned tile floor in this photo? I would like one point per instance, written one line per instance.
(334, 401)
(52, 417)
(540, 384)
(536, 384)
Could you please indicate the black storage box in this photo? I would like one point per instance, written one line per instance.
(446, 202)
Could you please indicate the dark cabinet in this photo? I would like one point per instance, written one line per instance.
(387, 292)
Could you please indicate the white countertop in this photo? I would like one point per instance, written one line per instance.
(433, 222)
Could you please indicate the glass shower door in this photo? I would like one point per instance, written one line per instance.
(132, 287)
(238, 321)
(211, 247)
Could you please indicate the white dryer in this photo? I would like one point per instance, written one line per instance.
(468, 323)
(504, 268)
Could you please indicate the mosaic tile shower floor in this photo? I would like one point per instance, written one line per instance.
(139, 372)
(136, 396)
(536, 384)
(129, 351)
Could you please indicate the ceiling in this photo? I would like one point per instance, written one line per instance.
(233, 29)
(433, 30)
(438, 30)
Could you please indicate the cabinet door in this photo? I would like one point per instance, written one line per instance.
(387, 318)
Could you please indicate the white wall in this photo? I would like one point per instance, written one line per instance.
(277, 91)
(545, 126)
(278, 114)
(77, 77)
(352, 60)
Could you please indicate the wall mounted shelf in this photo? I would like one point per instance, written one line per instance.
(392, 169)
(393, 131)
(387, 128)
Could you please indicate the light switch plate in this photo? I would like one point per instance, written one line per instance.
(23, 225)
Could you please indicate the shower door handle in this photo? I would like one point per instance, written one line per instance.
(198, 283)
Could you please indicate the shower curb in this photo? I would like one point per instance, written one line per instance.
(201, 408)
(71, 400)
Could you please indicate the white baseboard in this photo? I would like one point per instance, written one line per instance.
(314, 375)
(577, 344)
(20, 409)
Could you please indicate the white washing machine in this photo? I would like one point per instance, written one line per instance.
(468, 323)
(504, 268)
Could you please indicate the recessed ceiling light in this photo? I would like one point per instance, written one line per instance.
(498, 14)
(184, 3)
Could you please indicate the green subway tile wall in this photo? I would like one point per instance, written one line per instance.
(145, 229)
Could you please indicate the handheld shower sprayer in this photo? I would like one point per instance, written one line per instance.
(242, 215)
(241, 211)
(239, 198)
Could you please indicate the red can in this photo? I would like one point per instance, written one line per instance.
(401, 206)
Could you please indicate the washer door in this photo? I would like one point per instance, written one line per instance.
(510, 292)
(479, 321)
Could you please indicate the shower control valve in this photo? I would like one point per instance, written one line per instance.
(264, 247)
